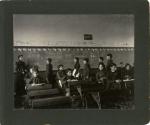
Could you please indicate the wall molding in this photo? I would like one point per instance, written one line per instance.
(45, 48)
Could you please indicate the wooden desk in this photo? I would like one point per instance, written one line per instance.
(42, 93)
(128, 82)
(43, 86)
(88, 87)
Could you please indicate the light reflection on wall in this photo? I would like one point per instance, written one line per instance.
(68, 30)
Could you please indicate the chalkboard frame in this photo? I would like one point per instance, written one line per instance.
(57, 117)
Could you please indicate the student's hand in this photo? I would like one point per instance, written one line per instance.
(68, 80)
(102, 78)
(33, 84)
(99, 82)
(117, 81)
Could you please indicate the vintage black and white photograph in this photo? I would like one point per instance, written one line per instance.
(73, 61)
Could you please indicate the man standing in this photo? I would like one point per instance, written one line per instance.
(20, 74)
(109, 61)
(86, 69)
(49, 71)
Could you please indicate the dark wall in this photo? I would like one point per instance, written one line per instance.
(38, 55)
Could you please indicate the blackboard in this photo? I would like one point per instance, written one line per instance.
(38, 55)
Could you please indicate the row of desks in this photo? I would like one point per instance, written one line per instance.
(44, 94)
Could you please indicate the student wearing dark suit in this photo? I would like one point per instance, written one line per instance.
(49, 71)
(109, 61)
(113, 76)
(69, 74)
(61, 76)
(128, 73)
(62, 80)
(76, 68)
(101, 74)
(20, 65)
(36, 79)
(121, 70)
(20, 75)
(86, 69)
(69, 78)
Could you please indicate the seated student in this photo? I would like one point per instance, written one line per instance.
(49, 71)
(36, 79)
(113, 76)
(86, 69)
(35, 68)
(101, 60)
(101, 74)
(109, 61)
(30, 72)
(62, 80)
(75, 72)
(69, 75)
(61, 76)
(121, 70)
(29, 75)
(128, 73)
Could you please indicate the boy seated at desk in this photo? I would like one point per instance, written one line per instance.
(128, 73)
(62, 80)
(69, 76)
(35, 80)
(113, 76)
(61, 76)
(71, 81)
(101, 74)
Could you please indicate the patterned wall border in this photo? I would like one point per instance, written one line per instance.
(60, 49)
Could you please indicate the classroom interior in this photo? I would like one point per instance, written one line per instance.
(62, 38)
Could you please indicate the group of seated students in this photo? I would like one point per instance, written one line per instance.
(106, 73)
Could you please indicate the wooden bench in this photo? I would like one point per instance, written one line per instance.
(43, 93)
(51, 102)
(30, 87)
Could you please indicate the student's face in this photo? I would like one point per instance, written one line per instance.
(84, 62)
(61, 68)
(69, 73)
(108, 57)
(101, 67)
(75, 60)
(121, 65)
(47, 62)
(128, 67)
(31, 70)
(100, 60)
(113, 68)
(34, 74)
(21, 58)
